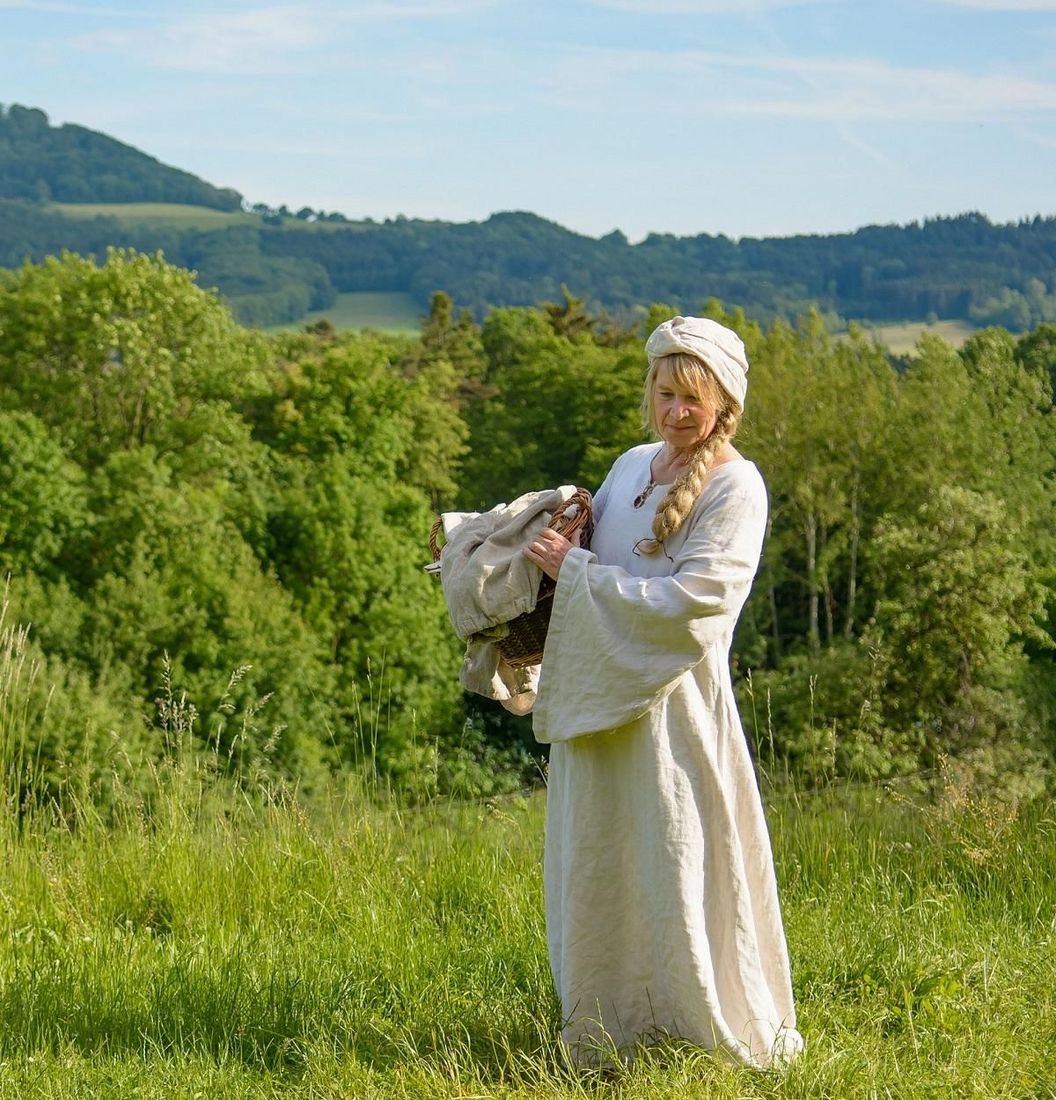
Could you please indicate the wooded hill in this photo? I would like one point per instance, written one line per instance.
(277, 265)
(70, 163)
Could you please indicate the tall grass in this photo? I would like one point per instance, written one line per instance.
(346, 950)
(219, 939)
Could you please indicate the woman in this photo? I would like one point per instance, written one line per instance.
(661, 902)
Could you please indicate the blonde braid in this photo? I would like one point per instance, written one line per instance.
(674, 509)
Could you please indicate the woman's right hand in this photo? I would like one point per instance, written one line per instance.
(549, 549)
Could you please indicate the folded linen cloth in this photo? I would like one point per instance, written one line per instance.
(484, 672)
(488, 581)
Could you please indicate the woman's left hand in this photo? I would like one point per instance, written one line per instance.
(548, 550)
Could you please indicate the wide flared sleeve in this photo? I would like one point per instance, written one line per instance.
(618, 643)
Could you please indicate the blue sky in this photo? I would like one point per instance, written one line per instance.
(750, 118)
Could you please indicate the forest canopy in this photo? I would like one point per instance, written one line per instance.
(960, 268)
(187, 505)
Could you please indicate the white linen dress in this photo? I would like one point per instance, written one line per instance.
(661, 902)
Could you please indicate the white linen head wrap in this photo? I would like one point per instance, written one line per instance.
(719, 347)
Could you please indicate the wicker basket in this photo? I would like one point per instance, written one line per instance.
(523, 645)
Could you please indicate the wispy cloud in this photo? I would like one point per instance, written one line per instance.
(700, 7)
(1045, 140)
(1003, 5)
(388, 9)
(825, 89)
(409, 9)
(57, 7)
(273, 39)
(866, 90)
(255, 40)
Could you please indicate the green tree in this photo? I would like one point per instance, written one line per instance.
(123, 354)
(959, 598)
(360, 446)
(350, 549)
(558, 411)
(1036, 352)
(42, 497)
(817, 422)
(174, 590)
(569, 317)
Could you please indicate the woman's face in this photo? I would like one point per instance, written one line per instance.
(683, 418)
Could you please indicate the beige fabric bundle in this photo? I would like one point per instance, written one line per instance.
(488, 581)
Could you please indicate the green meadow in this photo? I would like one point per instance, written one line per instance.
(902, 338)
(176, 215)
(219, 942)
(396, 314)
(182, 215)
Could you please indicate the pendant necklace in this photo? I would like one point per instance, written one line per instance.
(643, 496)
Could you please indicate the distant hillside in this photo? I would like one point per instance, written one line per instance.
(957, 268)
(273, 266)
(46, 163)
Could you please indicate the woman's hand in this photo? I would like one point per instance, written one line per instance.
(548, 550)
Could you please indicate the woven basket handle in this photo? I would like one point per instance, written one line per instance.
(568, 525)
(434, 545)
(562, 524)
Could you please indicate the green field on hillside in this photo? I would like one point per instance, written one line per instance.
(902, 338)
(162, 213)
(399, 313)
(182, 216)
(392, 313)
